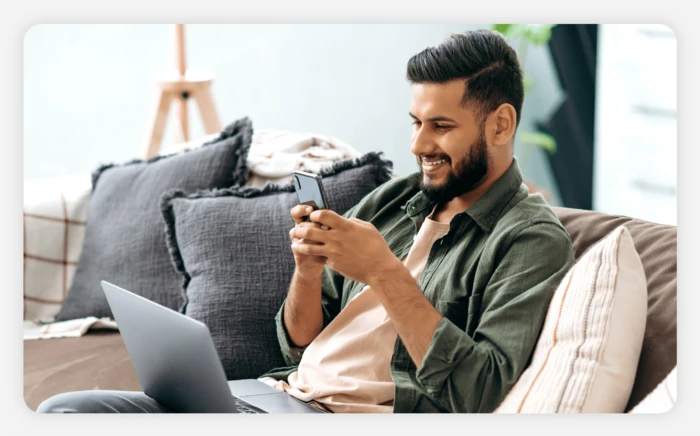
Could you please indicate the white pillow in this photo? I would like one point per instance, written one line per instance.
(587, 355)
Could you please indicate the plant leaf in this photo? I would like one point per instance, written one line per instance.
(501, 28)
(537, 34)
(542, 140)
(509, 30)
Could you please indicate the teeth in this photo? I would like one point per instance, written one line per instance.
(438, 162)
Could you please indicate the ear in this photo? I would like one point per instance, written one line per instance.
(501, 123)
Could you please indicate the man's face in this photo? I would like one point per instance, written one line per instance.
(448, 141)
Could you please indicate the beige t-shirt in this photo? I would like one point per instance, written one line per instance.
(346, 368)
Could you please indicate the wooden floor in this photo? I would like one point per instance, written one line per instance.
(97, 360)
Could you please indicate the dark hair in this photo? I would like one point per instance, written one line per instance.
(484, 60)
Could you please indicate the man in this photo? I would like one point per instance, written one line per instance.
(428, 295)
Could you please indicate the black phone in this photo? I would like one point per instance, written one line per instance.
(309, 190)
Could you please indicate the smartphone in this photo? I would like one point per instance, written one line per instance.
(309, 190)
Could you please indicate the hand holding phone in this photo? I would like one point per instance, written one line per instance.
(311, 194)
(309, 189)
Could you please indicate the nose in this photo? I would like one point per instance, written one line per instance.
(421, 142)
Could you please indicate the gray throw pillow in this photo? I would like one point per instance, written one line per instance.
(233, 252)
(124, 241)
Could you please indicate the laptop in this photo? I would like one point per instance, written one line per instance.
(177, 364)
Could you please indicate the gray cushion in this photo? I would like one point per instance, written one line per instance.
(124, 239)
(233, 252)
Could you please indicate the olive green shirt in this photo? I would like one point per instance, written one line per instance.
(492, 277)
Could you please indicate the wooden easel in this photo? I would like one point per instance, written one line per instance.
(182, 86)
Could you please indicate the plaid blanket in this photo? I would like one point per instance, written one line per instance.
(54, 224)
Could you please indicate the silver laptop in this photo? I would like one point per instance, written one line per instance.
(178, 366)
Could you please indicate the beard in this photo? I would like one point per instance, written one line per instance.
(466, 176)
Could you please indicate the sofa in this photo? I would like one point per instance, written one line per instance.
(98, 358)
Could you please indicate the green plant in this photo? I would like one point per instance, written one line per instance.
(529, 35)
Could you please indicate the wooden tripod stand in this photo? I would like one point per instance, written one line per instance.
(180, 87)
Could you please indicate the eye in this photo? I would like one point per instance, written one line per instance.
(415, 123)
(442, 127)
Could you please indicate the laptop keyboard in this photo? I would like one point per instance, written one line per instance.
(245, 407)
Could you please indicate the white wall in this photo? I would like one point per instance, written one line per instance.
(636, 126)
(89, 88)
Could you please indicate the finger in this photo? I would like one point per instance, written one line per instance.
(311, 234)
(299, 212)
(305, 224)
(312, 224)
(293, 236)
(308, 249)
(295, 239)
(306, 242)
(309, 224)
(328, 218)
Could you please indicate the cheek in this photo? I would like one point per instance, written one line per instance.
(450, 146)
(456, 146)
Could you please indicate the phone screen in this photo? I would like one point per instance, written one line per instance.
(309, 191)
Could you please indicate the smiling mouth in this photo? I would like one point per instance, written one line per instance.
(429, 166)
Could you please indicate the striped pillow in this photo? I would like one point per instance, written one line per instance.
(588, 351)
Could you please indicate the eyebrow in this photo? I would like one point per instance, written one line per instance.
(435, 119)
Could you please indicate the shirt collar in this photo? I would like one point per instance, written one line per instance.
(485, 210)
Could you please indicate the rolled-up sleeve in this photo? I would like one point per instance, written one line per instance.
(466, 373)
